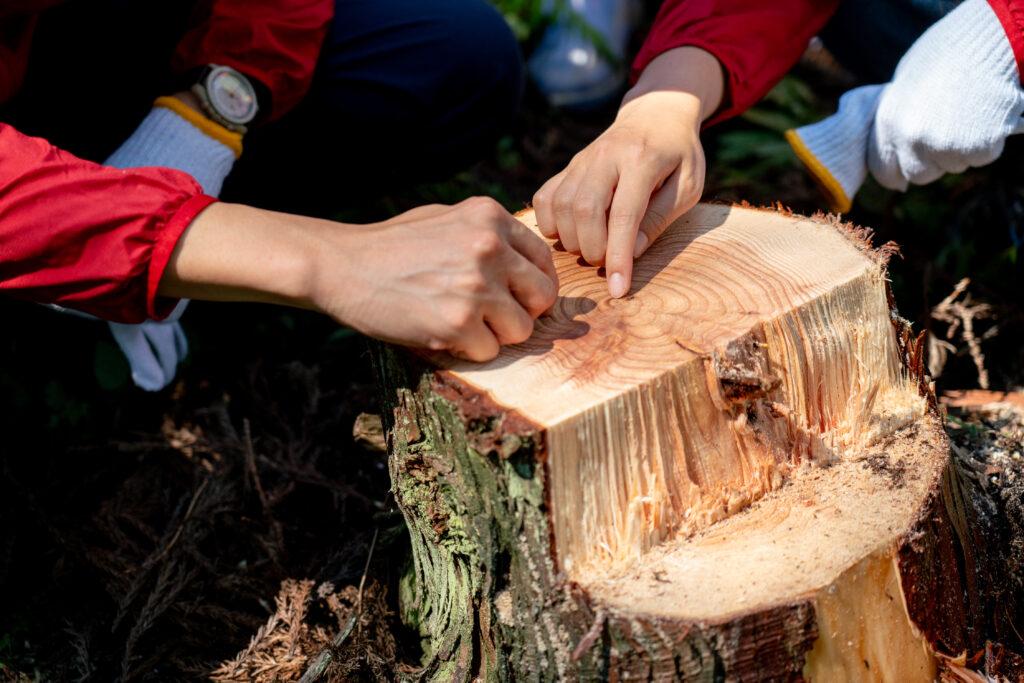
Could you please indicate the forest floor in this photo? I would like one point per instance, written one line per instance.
(233, 525)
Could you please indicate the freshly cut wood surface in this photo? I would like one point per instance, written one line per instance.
(644, 399)
(709, 279)
(794, 540)
(736, 472)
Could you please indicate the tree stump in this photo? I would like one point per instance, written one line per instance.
(734, 473)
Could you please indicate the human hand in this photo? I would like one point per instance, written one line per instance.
(463, 278)
(617, 195)
(955, 97)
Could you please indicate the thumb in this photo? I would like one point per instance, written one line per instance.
(664, 208)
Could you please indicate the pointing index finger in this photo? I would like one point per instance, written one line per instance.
(627, 210)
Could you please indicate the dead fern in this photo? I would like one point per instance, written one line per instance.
(301, 630)
(960, 316)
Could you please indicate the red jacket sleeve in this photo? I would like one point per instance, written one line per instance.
(89, 237)
(1011, 16)
(756, 42)
(277, 42)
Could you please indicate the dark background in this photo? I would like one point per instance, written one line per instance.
(144, 536)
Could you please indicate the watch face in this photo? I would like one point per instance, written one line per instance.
(231, 95)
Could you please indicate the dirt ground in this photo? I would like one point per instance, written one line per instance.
(234, 529)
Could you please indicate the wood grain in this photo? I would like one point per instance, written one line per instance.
(733, 473)
(646, 399)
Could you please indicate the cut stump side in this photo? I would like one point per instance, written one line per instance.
(729, 473)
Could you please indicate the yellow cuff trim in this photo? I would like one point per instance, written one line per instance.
(228, 138)
(822, 177)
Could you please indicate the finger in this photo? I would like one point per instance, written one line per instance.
(680, 193)
(627, 210)
(563, 207)
(532, 288)
(476, 342)
(533, 249)
(590, 211)
(543, 206)
(509, 321)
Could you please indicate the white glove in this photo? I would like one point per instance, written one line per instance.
(834, 150)
(955, 97)
(167, 138)
(153, 349)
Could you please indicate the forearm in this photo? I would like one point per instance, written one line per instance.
(755, 42)
(461, 278)
(64, 240)
(685, 77)
(232, 252)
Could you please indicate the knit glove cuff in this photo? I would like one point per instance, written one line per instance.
(834, 150)
(954, 98)
(175, 136)
(172, 135)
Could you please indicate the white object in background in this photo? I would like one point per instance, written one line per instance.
(568, 67)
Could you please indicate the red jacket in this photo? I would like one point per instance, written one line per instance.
(62, 242)
(757, 42)
(62, 239)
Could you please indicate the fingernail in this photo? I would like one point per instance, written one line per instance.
(641, 243)
(616, 285)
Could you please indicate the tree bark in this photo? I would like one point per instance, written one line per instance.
(736, 473)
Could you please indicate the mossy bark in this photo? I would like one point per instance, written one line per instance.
(483, 590)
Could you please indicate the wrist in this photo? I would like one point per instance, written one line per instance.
(232, 252)
(189, 99)
(172, 135)
(690, 72)
(663, 108)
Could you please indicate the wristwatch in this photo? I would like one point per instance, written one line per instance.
(227, 97)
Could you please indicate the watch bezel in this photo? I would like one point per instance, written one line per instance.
(217, 71)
